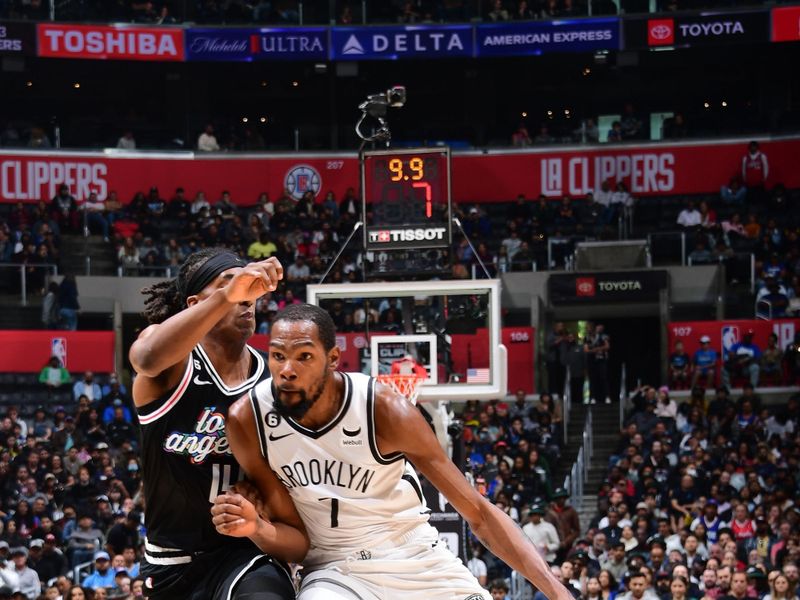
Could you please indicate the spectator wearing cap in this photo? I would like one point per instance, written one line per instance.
(120, 429)
(103, 576)
(761, 541)
(615, 561)
(88, 387)
(125, 534)
(743, 360)
(50, 563)
(543, 535)
(68, 436)
(108, 411)
(565, 518)
(704, 362)
(84, 541)
(29, 583)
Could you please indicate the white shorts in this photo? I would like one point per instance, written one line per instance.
(422, 568)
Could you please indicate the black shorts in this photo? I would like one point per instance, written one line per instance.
(212, 575)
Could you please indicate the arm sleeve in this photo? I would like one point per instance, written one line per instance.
(766, 165)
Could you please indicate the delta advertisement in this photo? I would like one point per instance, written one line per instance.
(724, 334)
(647, 169)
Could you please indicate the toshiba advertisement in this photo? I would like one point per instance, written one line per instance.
(110, 42)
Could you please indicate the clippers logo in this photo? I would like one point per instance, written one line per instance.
(302, 179)
(585, 286)
(660, 32)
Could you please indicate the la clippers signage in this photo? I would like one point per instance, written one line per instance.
(17, 38)
(786, 24)
(538, 37)
(215, 44)
(110, 42)
(621, 286)
(647, 169)
(703, 29)
(404, 41)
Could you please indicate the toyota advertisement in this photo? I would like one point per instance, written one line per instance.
(700, 29)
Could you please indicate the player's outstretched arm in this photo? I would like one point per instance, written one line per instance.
(167, 344)
(401, 428)
(281, 532)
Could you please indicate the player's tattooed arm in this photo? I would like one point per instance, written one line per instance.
(401, 428)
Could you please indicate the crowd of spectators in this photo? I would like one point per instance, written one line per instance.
(344, 12)
(70, 493)
(748, 218)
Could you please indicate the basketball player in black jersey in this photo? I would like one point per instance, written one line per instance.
(192, 363)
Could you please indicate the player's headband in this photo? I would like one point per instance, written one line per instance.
(209, 270)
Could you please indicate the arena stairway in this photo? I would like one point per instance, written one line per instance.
(605, 437)
(73, 252)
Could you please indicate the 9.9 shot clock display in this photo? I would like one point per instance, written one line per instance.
(406, 194)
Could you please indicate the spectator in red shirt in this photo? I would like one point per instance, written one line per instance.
(755, 171)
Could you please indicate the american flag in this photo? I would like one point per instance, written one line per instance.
(477, 375)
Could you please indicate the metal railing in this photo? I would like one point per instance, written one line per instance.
(763, 310)
(579, 473)
(23, 268)
(495, 269)
(566, 406)
(667, 251)
(623, 394)
(143, 271)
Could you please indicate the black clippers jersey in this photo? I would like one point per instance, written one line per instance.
(187, 461)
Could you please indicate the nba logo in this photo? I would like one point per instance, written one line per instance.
(730, 336)
(58, 347)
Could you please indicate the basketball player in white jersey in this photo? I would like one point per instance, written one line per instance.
(342, 445)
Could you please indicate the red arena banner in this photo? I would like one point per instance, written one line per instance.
(518, 340)
(724, 334)
(647, 169)
(102, 42)
(786, 24)
(29, 351)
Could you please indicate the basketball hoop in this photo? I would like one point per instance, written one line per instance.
(405, 385)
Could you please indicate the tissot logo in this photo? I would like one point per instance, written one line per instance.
(407, 235)
(660, 32)
(585, 286)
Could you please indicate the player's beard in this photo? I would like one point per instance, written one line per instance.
(307, 399)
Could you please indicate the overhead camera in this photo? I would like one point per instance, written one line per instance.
(376, 107)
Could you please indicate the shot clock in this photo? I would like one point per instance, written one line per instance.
(406, 196)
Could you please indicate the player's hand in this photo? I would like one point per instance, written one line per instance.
(234, 515)
(251, 493)
(254, 280)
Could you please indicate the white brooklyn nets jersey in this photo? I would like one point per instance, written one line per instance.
(350, 497)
